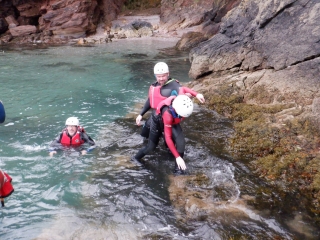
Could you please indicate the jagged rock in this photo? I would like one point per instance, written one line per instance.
(129, 31)
(29, 9)
(23, 30)
(12, 22)
(190, 40)
(66, 19)
(184, 14)
(248, 38)
(7, 38)
(134, 29)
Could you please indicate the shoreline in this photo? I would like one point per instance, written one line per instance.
(101, 36)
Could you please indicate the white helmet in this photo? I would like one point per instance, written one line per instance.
(160, 68)
(183, 105)
(72, 121)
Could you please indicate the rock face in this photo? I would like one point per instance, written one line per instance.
(56, 19)
(280, 37)
(194, 21)
(265, 63)
(134, 29)
(203, 15)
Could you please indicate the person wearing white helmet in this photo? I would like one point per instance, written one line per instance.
(172, 111)
(163, 88)
(72, 135)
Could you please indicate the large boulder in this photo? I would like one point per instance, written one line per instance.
(135, 29)
(11, 21)
(23, 30)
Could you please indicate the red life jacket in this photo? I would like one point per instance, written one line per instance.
(6, 187)
(155, 96)
(165, 102)
(76, 140)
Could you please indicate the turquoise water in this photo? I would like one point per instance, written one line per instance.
(40, 88)
(104, 195)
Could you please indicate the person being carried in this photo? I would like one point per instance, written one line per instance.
(159, 91)
(74, 136)
(172, 111)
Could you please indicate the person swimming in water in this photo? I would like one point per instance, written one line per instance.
(73, 135)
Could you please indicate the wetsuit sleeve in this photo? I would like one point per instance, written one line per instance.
(146, 107)
(184, 90)
(55, 143)
(167, 125)
(87, 139)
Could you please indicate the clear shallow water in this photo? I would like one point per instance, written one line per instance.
(104, 195)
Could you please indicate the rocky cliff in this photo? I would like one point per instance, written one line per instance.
(262, 69)
(52, 21)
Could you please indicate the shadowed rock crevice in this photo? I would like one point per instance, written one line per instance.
(306, 59)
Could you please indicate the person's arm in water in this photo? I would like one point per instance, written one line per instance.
(167, 123)
(145, 109)
(87, 139)
(55, 144)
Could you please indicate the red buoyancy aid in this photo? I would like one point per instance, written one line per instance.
(165, 102)
(76, 140)
(6, 187)
(155, 96)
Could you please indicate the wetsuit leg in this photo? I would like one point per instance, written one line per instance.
(154, 136)
(146, 128)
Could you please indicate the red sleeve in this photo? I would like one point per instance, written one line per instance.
(167, 122)
(184, 90)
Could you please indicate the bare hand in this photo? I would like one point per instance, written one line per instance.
(138, 120)
(181, 164)
(84, 152)
(200, 97)
(52, 153)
